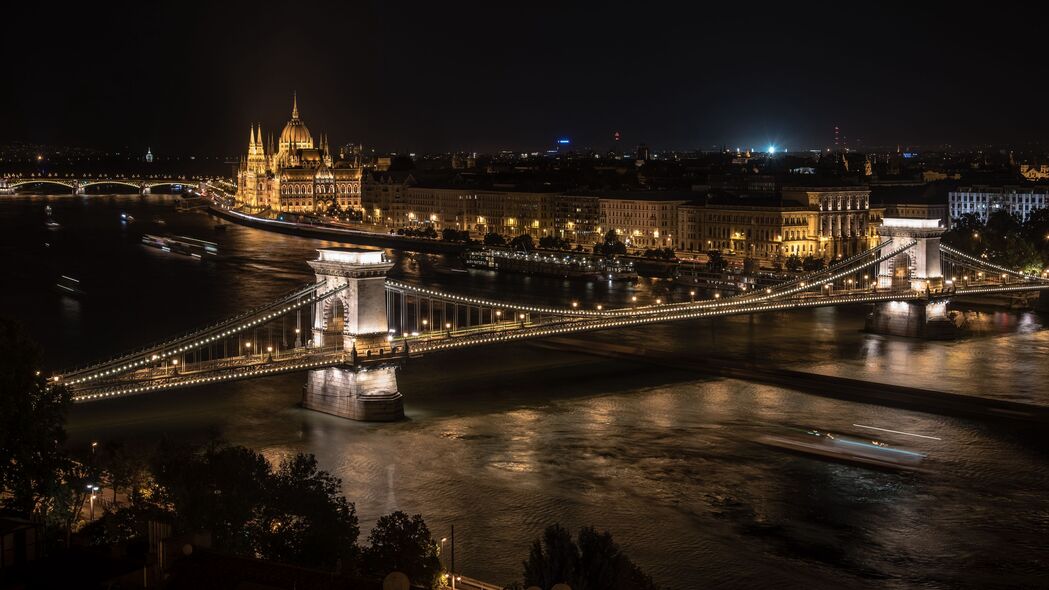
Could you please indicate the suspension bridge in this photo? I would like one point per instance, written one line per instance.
(352, 326)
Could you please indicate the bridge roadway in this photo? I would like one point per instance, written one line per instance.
(144, 379)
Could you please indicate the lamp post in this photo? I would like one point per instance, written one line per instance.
(94, 494)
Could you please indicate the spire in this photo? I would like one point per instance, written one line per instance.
(258, 142)
(295, 105)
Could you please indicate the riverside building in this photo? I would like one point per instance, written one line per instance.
(296, 175)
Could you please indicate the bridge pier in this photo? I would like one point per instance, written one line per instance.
(1042, 303)
(143, 191)
(356, 315)
(912, 319)
(368, 395)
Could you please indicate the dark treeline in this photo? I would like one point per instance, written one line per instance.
(1004, 239)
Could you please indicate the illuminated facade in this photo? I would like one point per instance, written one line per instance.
(403, 203)
(641, 223)
(982, 201)
(297, 176)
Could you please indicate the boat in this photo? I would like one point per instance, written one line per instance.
(846, 449)
(159, 221)
(125, 217)
(68, 284)
(181, 245)
(50, 223)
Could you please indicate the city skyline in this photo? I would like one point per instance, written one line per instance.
(462, 79)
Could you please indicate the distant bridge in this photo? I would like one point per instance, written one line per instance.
(77, 185)
(352, 325)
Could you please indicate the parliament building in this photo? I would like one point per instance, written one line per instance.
(298, 176)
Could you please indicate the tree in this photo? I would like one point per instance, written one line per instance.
(812, 263)
(716, 261)
(793, 263)
(523, 242)
(594, 562)
(122, 464)
(553, 559)
(220, 488)
(611, 245)
(403, 543)
(494, 239)
(554, 243)
(294, 514)
(306, 520)
(32, 426)
(603, 566)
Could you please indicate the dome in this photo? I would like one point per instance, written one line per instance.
(295, 131)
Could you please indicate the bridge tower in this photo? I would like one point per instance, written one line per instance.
(359, 310)
(357, 316)
(143, 189)
(77, 189)
(916, 269)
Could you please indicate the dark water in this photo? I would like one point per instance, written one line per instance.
(503, 441)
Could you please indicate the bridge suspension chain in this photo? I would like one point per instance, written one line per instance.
(963, 259)
(202, 337)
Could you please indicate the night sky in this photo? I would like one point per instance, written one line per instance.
(491, 75)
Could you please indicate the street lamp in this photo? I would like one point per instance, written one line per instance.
(94, 494)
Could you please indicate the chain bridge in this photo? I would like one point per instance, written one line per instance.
(352, 327)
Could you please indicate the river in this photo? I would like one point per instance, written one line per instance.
(503, 441)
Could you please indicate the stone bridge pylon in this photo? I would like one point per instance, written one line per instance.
(917, 269)
(354, 318)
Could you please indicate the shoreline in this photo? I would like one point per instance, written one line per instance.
(335, 234)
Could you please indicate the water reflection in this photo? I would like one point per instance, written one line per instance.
(503, 441)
